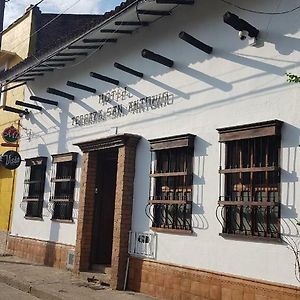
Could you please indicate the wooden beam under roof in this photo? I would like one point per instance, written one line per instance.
(15, 110)
(154, 12)
(72, 54)
(32, 106)
(131, 23)
(116, 31)
(104, 78)
(60, 93)
(87, 47)
(99, 41)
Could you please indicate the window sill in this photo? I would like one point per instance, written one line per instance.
(172, 231)
(34, 218)
(63, 221)
(251, 238)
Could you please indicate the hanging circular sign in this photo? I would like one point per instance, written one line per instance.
(11, 160)
(11, 134)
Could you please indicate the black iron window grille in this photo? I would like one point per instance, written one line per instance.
(171, 179)
(34, 184)
(63, 185)
(249, 200)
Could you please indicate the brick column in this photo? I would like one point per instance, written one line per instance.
(123, 213)
(126, 144)
(86, 212)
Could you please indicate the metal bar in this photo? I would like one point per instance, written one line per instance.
(169, 174)
(104, 78)
(194, 42)
(60, 59)
(243, 170)
(158, 58)
(81, 86)
(45, 70)
(131, 23)
(15, 110)
(99, 41)
(116, 31)
(29, 105)
(60, 93)
(177, 2)
(10, 145)
(128, 70)
(85, 47)
(72, 54)
(53, 65)
(23, 79)
(32, 74)
(43, 100)
(154, 12)
(248, 203)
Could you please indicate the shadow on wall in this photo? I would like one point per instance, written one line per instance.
(199, 220)
(141, 186)
(275, 33)
(51, 250)
(289, 179)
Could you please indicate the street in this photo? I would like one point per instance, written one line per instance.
(7, 292)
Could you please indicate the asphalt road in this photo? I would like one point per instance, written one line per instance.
(10, 293)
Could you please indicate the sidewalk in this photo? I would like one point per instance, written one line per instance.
(53, 284)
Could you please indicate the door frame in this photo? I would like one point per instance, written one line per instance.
(126, 145)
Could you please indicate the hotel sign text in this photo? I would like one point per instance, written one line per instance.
(118, 110)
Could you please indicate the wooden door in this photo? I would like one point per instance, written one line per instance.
(104, 208)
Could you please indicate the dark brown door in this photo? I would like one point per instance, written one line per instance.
(104, 207)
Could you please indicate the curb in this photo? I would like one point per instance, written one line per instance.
(11, 280)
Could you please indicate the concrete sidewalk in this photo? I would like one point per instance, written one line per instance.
(53, 284)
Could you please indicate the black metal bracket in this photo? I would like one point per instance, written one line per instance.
(104, 78)
(158, 58)
(194, 42)
(128, 70)
(60, 93)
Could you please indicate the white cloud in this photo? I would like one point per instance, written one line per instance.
(15, 9)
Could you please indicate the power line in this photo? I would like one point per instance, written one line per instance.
(261, 12)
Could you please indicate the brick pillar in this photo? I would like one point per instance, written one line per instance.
(86, 212)
(123, 213)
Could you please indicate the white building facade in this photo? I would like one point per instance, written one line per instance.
(198, 149)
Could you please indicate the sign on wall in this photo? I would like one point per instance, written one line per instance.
(10, 160)
(120, 103)
(11, 134)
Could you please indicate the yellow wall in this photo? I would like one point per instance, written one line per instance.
(15, 39)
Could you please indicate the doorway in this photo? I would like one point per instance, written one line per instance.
(105, 191)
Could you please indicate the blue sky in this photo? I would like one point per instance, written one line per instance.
(16, 8)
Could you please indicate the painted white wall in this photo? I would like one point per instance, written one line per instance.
(235, 85)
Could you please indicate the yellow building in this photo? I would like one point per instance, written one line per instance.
(17, 45)
(29, 36)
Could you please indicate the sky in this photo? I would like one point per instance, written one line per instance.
(16, 8)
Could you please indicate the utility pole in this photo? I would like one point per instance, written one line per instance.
(2, 6)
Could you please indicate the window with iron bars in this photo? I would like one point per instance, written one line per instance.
(171, 180)
(251, 180)
(34, 184)
(62, 185)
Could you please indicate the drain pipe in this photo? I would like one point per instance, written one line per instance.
(126, 273)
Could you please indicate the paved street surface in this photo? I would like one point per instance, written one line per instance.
(24, 280)
(9, 293)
